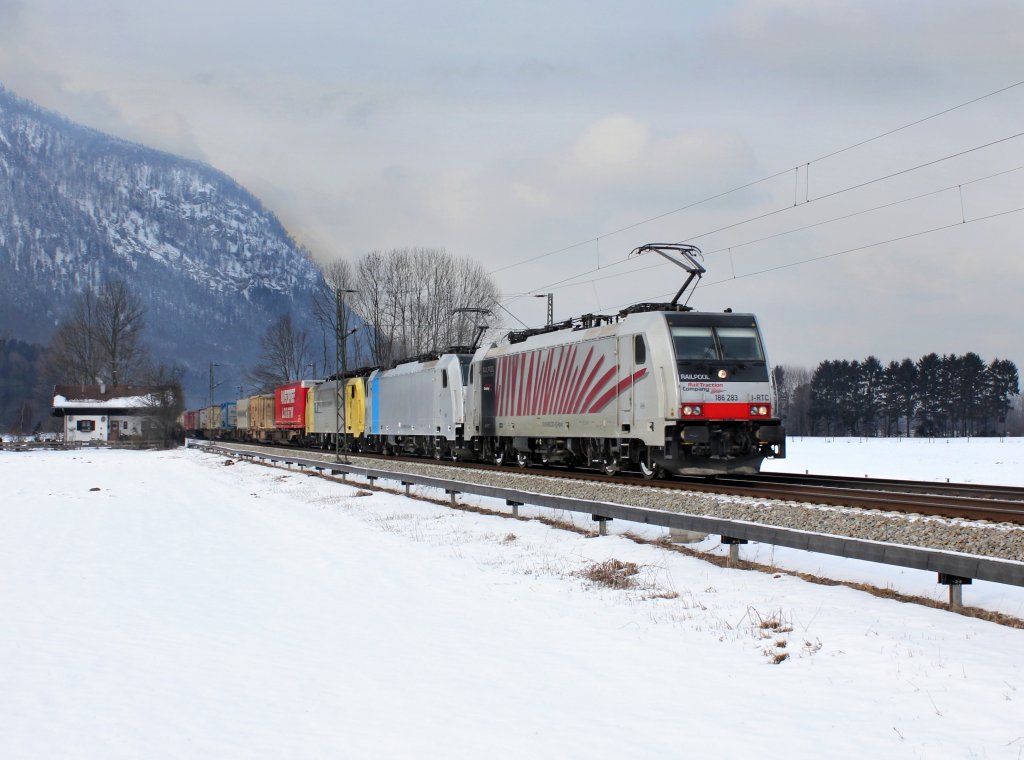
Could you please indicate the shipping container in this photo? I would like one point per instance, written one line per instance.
(290, 405)
(209, 418)
(242, 422)
(261, 414)
(228, 416)
(190, 420)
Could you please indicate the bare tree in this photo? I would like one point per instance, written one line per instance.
(332, 312)
(285, 354)
(409, 296)
(165, 402)
(101, 337)
(120, 319)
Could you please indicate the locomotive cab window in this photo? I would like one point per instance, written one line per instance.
(739, 343)
(694, 342)
(639, 350)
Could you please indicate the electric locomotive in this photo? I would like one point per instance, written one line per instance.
(658, 387)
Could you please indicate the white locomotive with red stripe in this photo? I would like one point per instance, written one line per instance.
(658, 388)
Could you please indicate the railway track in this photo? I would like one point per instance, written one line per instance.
(1003, 504)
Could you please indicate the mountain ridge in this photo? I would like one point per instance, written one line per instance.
(212, 264)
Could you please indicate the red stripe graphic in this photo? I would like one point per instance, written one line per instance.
(570, 381)
(598, 386)
(577, 380)
(502, 380)
(556, 389)
(585, 387)
(549, 380)
(538, 391)
(499, 387)
(615, 390)
(506, 383)
(529, 384)
(520, 382)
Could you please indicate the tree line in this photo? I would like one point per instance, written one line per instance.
(948, 395)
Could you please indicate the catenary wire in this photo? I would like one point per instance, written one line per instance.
(568, 281)
(834, 254)
(759, 181)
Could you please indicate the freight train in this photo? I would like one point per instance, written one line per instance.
(657, 388)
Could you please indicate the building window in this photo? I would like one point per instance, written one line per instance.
(124, 424)
(86, 426)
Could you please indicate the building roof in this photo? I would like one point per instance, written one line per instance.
(66, 397)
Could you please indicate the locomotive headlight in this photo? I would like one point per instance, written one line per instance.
(722, 374)
(691, 411)
(763, 411)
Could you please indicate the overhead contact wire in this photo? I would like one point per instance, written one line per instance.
(763, 179)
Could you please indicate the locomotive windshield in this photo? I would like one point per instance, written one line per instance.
(694, 343)
(716, 343)
(739, 343)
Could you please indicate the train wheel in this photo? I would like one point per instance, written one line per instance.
(499, 456)
(610, 465)
(522, 459)
(650, 471)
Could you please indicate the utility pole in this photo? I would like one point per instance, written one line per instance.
(341, 335)
(551, 306)
(212, 384)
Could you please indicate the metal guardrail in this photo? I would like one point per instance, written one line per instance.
(954, 569)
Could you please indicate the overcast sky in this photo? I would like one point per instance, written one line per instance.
(505, 132)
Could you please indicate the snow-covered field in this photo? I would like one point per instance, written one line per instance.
(958, 460)
(192, 609)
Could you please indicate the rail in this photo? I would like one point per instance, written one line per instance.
(954, 569)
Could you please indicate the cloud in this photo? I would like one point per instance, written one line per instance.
(610, 147)
(168, 131)
(877, 46)
(10, 18)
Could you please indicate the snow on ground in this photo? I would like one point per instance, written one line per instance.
(958, 460)
(192, 609)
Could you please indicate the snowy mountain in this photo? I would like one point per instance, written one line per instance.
(212, 265)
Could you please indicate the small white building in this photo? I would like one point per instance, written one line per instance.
(102, 413)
